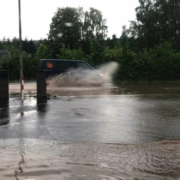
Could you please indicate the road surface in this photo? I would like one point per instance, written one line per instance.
(90, 133)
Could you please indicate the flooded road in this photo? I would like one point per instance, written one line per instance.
(122, 88)
(107, 119)
(124, 132)
(44, 160)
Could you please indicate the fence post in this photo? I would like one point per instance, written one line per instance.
(4, 88)
(41, 86)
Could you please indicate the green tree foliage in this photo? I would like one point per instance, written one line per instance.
(157, 21)
(148, 50)
(76, 28)
(157, 63)
(114, 54)
(42, 52)
(127, 62)
(12, 64)
(65, 28)
(29, 46)
(97, 53)
(112, 42)
(30, 63)
(15, 42)
(5, 43)
(67, 53)
(1, 45)
(94, 26)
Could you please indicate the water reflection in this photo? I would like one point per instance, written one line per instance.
(41, 101)
(122, 88)
(115, 119)
(4, 103)
(4, 116)
(42, 106)
(4, 112)
(159, 118)
(81, 91)
(147, 88)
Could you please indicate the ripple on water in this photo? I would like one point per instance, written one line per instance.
(63, 160)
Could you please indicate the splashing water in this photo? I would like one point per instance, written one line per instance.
(108, 71)
(85, 77)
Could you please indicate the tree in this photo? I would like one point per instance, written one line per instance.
(111, 43)
(157, 21)
(65, 28)
(42, 52)
(67, 53)
(94, 25)
(1, 45)
(11, 63)
(29, 46)
(97, 53)
(114, 54)
(25, 45)
(5, 43)
(15, 42)
(75, 29)
(32, 47)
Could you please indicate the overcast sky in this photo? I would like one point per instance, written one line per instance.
(37, 15)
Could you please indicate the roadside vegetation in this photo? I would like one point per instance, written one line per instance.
(148, 50)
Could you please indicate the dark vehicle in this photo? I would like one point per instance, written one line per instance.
(55, 67)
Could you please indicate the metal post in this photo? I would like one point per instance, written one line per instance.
(4, 88)
(20, 49)
(41, 87)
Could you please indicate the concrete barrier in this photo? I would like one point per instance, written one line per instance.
(41, 84)
(4, 88)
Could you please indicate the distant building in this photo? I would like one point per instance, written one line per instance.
(4, 52)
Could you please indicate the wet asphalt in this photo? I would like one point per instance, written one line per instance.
(107, 119)
(91, 136)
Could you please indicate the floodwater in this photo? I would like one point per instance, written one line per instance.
(126, 131)
(122, 88)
